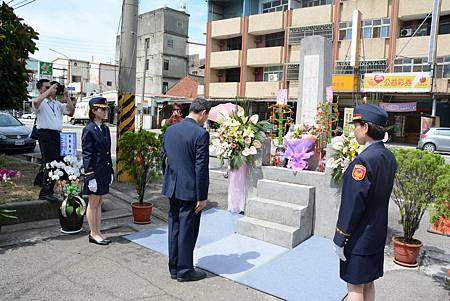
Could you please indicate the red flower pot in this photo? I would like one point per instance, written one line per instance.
(142, 213)
(406, 254)
(442, 226)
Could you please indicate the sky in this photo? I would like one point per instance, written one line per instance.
(86, 29)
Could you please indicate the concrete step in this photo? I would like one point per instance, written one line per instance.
(285, 192)
(275, 233)
(278, 212)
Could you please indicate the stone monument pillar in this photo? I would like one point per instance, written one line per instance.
(315, 75)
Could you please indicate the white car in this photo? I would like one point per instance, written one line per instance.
(28, 116)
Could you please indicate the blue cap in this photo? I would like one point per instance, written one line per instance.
(99, 102)
(370, 113)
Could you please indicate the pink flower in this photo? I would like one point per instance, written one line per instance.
(248, 140)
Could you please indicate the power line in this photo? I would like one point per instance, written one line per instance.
(17, 7)
(19, 3)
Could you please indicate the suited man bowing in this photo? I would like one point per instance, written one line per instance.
(185, 160)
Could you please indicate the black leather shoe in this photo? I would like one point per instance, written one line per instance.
(192, 275)
(49, 198)
(107, 240)
(101, 242)
(174, 277)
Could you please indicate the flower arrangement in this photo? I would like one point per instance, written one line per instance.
(238, 139)
(346, 151)
(67, 173)
(281, 118)
(7, 174)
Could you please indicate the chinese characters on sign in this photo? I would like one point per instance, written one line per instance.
(348, 118)
(282, 96)
(397, 82)
(68, 144)
(399, 107)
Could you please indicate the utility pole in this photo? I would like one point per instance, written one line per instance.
(432, 49)
(144, 73)
(127, 76)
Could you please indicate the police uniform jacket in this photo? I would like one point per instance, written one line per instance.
(97, 160)
(363, 215)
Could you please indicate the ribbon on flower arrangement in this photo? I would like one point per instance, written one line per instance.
(299, 151)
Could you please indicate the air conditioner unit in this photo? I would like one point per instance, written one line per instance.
(406, 32)
(273, 77)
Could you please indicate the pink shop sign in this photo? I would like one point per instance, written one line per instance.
(399, 107)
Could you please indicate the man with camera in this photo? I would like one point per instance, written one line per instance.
(50, 106)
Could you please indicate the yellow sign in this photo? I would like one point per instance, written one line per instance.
(397, 82)
(342, 83)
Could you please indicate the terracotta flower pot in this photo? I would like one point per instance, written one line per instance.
(406, 254)
(142, 213)
(441, 226)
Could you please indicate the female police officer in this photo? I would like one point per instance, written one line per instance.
(363, 216)
(98, 168)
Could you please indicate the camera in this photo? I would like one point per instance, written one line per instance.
(60, 90)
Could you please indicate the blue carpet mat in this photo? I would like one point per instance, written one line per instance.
(308, 272)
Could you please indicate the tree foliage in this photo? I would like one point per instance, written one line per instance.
(417, 172)
(16, 42)
(440, 208)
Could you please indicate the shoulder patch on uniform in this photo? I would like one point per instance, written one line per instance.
(359, 172)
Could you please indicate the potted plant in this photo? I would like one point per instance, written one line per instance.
(68, 173)
(417, 172)
(139, 154)
(440, 208)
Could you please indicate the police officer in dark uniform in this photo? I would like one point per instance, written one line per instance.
(363, 215)
(98, 168)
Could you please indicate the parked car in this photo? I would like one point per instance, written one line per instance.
(28, 116)
(435, 139)
(14, 135)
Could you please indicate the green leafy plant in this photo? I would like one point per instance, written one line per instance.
(72, 200)
(16, 43)
(440, 208)
(417, 171)
(139, 154)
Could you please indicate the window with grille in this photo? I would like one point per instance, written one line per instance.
(273, 6)
(370, 29)
(406, 64)
(273, 74)
(166, 65)
(292, 71)
(343, 67)
(297, 34)
(310, 3)
(170, 43)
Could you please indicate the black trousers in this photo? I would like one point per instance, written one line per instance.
(50, 145)
(184, 225)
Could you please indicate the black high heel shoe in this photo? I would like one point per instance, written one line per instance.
(102, 242)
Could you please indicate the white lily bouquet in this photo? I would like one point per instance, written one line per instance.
(68, 174)
(238, 139)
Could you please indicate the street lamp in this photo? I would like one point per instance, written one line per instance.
(68, 63)
(59, 53)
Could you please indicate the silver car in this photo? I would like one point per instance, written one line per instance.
(14, 135)
(435, 139)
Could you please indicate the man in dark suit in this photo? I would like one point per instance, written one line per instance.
(363, 216)
(185, 160)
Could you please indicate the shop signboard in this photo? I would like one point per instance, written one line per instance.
(348, 118)
(410, 82)
(400, 107)
(345, 83)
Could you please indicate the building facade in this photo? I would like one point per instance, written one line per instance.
(253, 50)
(164, 32)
